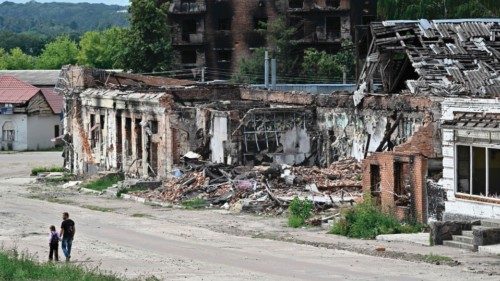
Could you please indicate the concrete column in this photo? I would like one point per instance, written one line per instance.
(100, 140)
(133, 137)
(167, 160)
(145, 164)
(123, 144)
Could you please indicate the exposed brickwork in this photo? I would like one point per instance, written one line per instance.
(386, 162)
(220, 33)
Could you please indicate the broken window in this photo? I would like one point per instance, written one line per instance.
(138, 138)
(8, 132)
(332, 3)
(188, 6)
(188, 27)
(93, 131)
(224, 24)
(224, 56)
(401, 183)
(128, 136)
(188, 57)
(478, 170)
(295, 4)
(259, 22)
(333, 27)
(494, 174)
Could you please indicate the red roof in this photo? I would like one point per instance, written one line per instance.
(54, 100)
(15, 91)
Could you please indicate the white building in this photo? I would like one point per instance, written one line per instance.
(29, 116)
(471, 156)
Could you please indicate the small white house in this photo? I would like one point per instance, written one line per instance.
(471, 157)
(29, 116)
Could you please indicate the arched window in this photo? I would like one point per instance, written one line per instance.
(8, 132)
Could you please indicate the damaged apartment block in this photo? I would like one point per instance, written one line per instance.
(215, 34)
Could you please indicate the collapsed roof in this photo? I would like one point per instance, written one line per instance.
(440, 57)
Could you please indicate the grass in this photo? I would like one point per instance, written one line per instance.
(193, 204)
(431, 258)
(37, 170)
(98, 208)
(299, 212)
(366, 221)
(141, 215)
(16, 266)
(103, 183)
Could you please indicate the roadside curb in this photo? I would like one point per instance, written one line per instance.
(145, 201)
(91, 191)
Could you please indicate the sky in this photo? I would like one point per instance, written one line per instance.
(110, 2)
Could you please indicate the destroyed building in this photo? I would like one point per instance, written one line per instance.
(455, 65)
(216, 34)
(436, 106)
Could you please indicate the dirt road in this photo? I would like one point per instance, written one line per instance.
(129, 241)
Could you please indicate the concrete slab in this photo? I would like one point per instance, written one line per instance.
(491, 249)
(416, 238)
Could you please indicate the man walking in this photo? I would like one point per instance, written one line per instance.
(68, 231)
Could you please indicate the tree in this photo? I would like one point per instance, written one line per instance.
(251, 69)
(103, 49)
(58, 53)
(16, 59)
(437, 9)
(323, 67)
(148, 44)
(280, 45)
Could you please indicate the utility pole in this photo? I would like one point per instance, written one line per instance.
(266, 70)
(203, 74)
(273, 74)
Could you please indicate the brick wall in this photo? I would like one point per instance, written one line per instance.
(417, 177)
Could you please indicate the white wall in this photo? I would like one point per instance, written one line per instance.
(41, 131)
(455, 205)
(20, 124)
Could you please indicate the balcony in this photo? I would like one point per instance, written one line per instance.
(187, 8)
(189, 39)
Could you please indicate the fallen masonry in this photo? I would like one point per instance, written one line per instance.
(146, 127)
(261, 189)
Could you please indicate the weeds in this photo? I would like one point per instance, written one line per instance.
(37, 170)
(299, 212)
(98, 208)
(196, 203)
(141, 215)
(103, 183)
(20, 266)
(366, 221)
(431, 258)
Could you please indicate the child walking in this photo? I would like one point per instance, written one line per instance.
(54, 243)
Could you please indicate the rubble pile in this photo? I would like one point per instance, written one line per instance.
(261, 189)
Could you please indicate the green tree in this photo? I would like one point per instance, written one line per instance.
(103, 49)
(280, 45)
(322, 67)
(16, 59)
(437, 9)
(148, 44)
(251, 69)
(3, 56)
(58, 53)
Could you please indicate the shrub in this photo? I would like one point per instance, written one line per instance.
(299, 212)
(104, 182)
(37, 170)
(195, 203)
(365, 220)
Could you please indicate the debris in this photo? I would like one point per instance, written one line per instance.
(71, 184)
(262, 189)
(380, 249)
